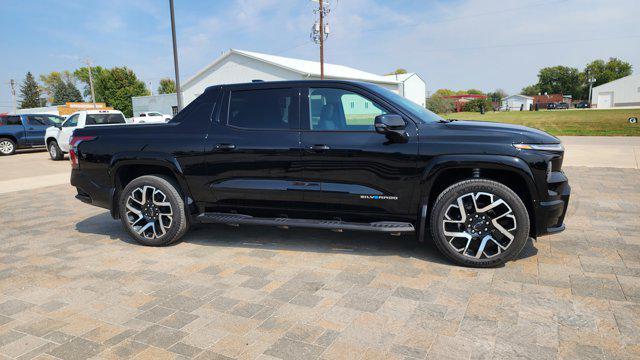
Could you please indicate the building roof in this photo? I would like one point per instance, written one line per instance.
(304, 67)
(628, 77)
(466, 96)
(518, 95)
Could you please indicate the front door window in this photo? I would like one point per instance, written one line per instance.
(341, 110)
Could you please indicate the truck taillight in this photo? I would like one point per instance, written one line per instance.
(73, 147)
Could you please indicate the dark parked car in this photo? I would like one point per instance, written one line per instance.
(562, 105)
(327, 154)
(551, 106)
(24, 131)
(582, 105)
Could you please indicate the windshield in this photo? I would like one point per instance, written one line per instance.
(416, 110)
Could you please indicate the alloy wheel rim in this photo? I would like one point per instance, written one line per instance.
(148, 212)
(6, 147)
(479, 225)
(53, 151)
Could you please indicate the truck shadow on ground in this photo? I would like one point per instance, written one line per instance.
(294, 239)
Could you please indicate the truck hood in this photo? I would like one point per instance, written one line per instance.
(517, 133)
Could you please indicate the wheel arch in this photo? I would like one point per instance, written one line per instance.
(49, 139)
(445, 171)
(123, 168)
(10, 137)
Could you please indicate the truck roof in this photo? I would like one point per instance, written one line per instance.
(262, 84)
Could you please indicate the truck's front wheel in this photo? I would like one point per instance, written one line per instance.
(479, 223)
(54, 151)
(152, 210)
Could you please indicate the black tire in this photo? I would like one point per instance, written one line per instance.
(7, 147)
(179, 221)
(498, 257)
(54, 151)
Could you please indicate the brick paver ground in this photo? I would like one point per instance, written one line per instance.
(73, 286)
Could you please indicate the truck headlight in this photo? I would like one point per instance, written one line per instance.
(543, 147)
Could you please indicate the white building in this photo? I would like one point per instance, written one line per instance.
(238, 66)
(624, 92)
(411, 86)
(516, 102)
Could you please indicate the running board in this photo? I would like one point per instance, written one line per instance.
(337, 225)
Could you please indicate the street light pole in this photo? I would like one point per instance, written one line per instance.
(321, 39)
(93, 94)
(591, 81)
(12, 83)
(175, 56)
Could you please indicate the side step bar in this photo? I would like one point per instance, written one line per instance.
(239, 219)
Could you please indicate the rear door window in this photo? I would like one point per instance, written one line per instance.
(263, 109)
(104, 119)
(10, 120)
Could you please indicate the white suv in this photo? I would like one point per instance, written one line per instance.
(57, 137)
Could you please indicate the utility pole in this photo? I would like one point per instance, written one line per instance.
(320, 32)
(12, 83)
(591, 80)
(93, 94)
(175, 56)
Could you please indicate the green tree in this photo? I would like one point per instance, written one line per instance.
(60, 87)
(66, 92)
(531, 90)
(397, 71)
(117, 86)
(560, 80)
(439, 104)
(167, 86)
(50, 82)
(473, 92)
(444, 92)
(29, 92)
(608, 71)
(497, 95)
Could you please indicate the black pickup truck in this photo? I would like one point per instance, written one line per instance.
(338, 155)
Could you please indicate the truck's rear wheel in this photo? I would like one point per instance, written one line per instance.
(152, 210)
(54, 151)
(479, 223)
(7, 146)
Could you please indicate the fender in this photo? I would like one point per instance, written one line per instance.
(159, 159)
(439, 164)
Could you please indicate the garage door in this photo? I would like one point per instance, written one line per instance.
(605, 100)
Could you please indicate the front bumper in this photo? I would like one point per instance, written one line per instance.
(91, 193)
(551, 212)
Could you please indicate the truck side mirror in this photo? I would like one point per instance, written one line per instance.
(392, 126)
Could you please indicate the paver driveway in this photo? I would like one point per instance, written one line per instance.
(73, 286)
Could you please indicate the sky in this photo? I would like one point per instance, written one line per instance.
(459, 44)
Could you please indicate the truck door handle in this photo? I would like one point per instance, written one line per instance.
(319, 147)
(225, 147)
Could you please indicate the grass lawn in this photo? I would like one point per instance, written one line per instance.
(565, 122)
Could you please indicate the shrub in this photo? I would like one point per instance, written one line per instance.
(440, 105)
(475, 104)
